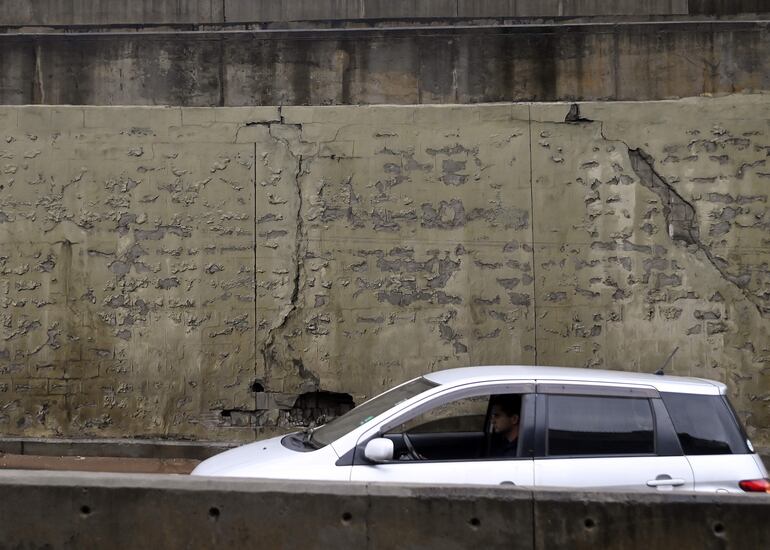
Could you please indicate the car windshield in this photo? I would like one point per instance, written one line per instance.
(369, 410)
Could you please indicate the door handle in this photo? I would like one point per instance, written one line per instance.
(665, 482)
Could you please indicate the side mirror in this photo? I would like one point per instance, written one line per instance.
(379, 450)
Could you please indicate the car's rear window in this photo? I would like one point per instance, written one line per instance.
(705, 424)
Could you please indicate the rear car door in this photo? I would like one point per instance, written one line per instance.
(713, 441)
(606, 437)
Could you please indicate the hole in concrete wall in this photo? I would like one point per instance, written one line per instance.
(573, 116)
(347, 517)
(589, 523)
(85, 510)
(475, 523)
(719, 529)
(214, 513)
(257, 386)
(319, 407)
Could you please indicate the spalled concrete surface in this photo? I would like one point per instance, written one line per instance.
(634, 61)
(216, 273)
(88, 510)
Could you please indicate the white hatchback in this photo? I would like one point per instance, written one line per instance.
(524, 426)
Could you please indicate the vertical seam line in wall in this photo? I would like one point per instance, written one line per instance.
(616, 65)
(532, 228)
(533, 502)
(256, 286)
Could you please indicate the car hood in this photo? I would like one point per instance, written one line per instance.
(247, 460)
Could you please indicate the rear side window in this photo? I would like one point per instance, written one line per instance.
(705, 424)
(587, 425)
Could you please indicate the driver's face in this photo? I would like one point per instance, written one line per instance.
(501, 422)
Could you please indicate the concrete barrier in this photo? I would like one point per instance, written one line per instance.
(73, 510)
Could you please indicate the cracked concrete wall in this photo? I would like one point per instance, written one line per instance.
(212, 272)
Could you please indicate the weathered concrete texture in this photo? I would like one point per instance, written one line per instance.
(209, 273)
(727, 7)
(153, 12)
(104, 447)
(109, 12)
(588, 521)
(669, 247)
(447, 65)
(92, 510)
(128, 271)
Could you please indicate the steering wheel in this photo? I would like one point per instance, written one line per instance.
(413, 454)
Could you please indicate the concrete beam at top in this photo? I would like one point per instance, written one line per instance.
(618, 62)
(21, 13)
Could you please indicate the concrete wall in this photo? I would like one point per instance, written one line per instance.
(145, 12)
(471, 65)
(91, 511)
(25, 13)
(728, 7)
(190, 272)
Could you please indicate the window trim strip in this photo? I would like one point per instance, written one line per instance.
(556, 388)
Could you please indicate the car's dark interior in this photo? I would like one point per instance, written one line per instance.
(438, 445)
(453, 438)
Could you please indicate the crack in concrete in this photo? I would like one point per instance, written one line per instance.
(268, 352)
(680, 214)
(685, 228)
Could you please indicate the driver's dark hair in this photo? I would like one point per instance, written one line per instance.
(509, 403)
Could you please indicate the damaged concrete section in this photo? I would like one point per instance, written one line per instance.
(682, 222)
(221, 273)
(679, 214)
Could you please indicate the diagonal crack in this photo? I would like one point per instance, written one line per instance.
(680, 214)
(682, 222)
(681, 219)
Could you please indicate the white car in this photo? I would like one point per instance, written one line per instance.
(578, 428)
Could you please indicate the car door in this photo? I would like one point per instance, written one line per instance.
(449, 434)
(605, 437)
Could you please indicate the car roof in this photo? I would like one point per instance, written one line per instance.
(665, 383)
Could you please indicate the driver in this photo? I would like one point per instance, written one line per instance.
(504, 425)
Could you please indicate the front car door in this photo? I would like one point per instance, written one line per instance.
(607, 437)
(445, 440)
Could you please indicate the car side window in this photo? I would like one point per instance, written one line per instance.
(471, 428)
(463, 415)
(579, 425)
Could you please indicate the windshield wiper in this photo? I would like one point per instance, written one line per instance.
(307, 438)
